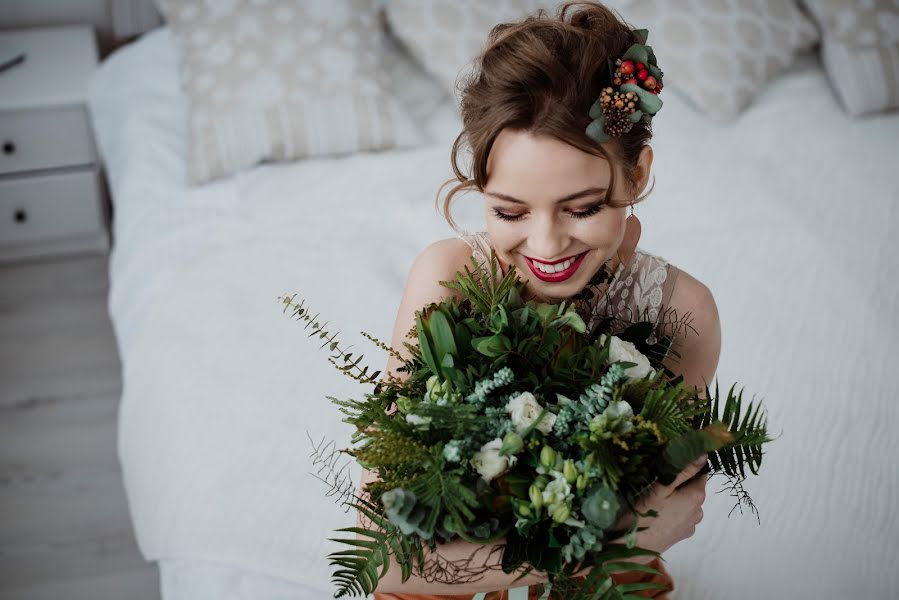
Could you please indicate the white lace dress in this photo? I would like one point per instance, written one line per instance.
(641, 288)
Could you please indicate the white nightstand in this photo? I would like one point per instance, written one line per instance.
(52, 198)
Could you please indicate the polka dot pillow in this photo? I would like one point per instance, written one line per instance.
(719, 53)
(281, 80)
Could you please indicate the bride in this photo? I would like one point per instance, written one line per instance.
(556, 194)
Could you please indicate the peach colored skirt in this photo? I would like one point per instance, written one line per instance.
(535, 591)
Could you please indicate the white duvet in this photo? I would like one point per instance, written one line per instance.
(789, 215)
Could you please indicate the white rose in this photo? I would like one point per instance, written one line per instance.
(622, 351)
(489, 463)
(524, 410)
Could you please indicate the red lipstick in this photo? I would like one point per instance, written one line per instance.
(561, 275)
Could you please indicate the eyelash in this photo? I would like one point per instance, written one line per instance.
(589, 212)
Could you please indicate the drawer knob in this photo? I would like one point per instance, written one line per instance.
(9, 147)
(20, 215)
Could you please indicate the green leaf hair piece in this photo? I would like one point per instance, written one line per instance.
(596, 130)
(649, 103)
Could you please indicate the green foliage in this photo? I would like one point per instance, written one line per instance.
(487, 288)
(442, 490)
(747, 426)
(392, 448)
(360, 567)
(561, 491)
(349, 366)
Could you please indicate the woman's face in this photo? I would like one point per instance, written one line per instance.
(545, 202)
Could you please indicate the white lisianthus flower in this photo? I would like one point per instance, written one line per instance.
(557, 492)
(418, 420)
(489, 463)
(524, 410)
(620, 351)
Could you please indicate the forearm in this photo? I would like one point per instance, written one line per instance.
(473, 567)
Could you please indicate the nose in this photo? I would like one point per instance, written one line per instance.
(549, 240)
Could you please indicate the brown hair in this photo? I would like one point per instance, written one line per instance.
(541, 75)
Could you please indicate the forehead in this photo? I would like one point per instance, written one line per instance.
(520, 161)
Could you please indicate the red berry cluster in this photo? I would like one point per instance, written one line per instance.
(627, 71)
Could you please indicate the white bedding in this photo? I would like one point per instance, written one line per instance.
(789, 215)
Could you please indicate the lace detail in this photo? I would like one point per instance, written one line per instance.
(637, 290)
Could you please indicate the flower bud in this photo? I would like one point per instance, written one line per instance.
(561, 513)
(548, 457)
(588, 462)
(522, 510)
(569, 470)
(403, 404)
(536, 496)
(512, 444)
(581, 482)
(541, 481)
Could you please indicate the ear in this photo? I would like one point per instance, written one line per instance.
(641, 171)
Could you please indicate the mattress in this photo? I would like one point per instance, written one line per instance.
(788, 214)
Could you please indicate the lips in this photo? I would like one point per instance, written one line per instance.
(561, 275)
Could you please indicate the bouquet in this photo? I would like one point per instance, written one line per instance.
(517, 429)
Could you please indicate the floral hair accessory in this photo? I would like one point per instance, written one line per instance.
(637, 81)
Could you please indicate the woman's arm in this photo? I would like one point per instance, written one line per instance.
(680, 504)
(699, 345)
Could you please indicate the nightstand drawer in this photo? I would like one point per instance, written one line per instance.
(40, 208)
(44, 139)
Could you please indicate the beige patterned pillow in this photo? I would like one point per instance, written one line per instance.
(719, 53)
(446, 35)
(282, 79)
(860, 50)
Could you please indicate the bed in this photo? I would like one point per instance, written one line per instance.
(787, 213)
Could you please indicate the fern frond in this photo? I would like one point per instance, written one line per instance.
(749, 431)
(667, 409)
(443, 492)
(367, 559)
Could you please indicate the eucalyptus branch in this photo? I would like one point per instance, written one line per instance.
(349, 367)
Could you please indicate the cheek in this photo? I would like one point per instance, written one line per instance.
(505, 237)
(605, 231)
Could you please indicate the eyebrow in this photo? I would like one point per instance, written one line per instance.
(568, 198)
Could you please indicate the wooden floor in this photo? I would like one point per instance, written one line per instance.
(64, 526)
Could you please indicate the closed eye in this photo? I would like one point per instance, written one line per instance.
(583, 214)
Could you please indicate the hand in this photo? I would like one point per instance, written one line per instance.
(679, 508)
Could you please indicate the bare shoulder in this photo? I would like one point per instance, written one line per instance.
(438, 262)
(699, 345)
(445, 255)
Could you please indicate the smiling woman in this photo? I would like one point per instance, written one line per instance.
(548, 210)
(555, 201)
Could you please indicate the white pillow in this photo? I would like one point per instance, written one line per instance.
(281, 80)
(860, 51)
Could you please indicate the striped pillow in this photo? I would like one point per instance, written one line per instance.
(282, 80)
(860, 51)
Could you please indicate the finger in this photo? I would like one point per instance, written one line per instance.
(688, 472)
(695, 486)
